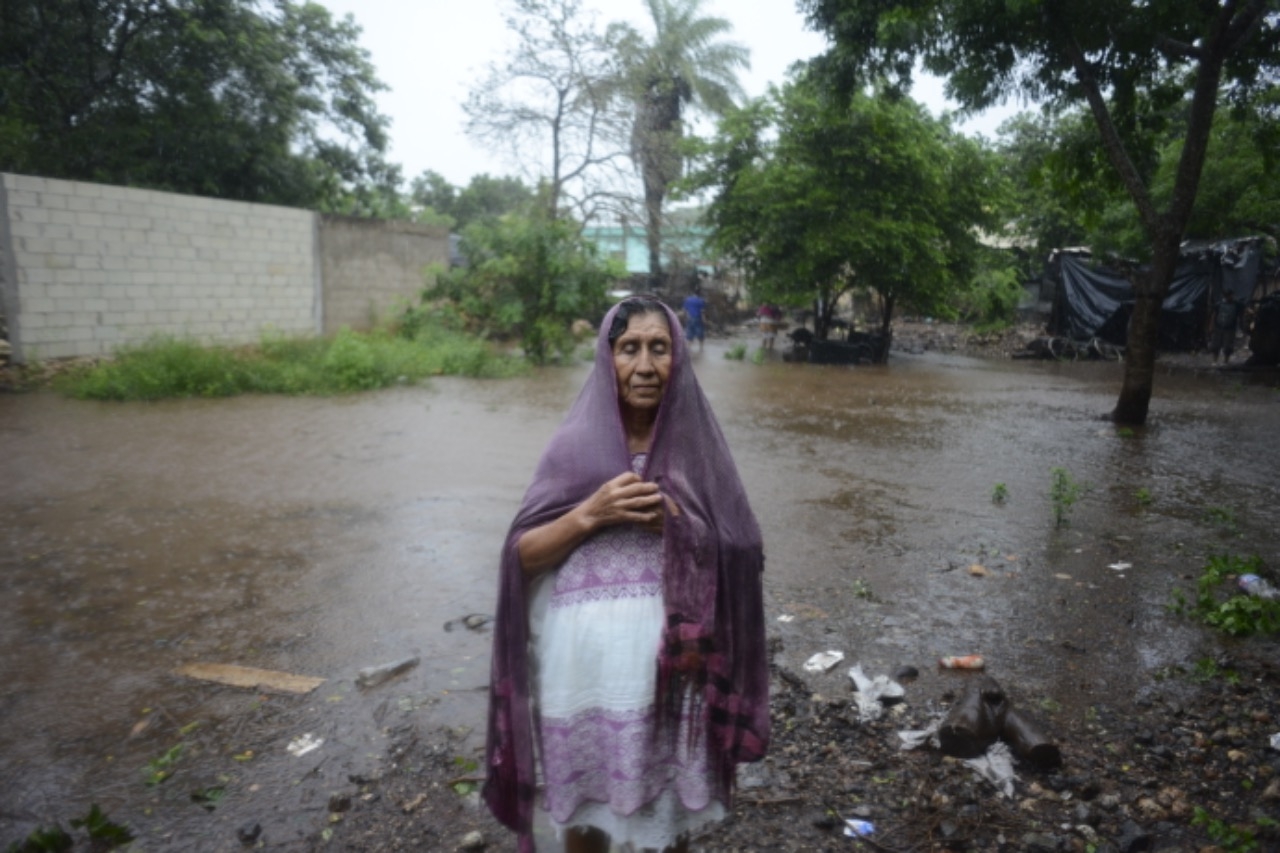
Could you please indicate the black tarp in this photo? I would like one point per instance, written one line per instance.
(1094, 300)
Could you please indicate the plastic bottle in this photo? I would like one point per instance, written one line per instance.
(962, 662)
(1256, 586)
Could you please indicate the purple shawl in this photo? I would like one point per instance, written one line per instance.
(713, 642)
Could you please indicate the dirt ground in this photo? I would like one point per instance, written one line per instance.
(1133, 778)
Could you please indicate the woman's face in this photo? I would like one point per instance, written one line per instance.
(642, 361)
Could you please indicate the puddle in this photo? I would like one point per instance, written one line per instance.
(321, 536)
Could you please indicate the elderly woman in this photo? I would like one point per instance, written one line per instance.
(629, 638)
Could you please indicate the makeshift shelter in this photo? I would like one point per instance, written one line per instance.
(1095, 299)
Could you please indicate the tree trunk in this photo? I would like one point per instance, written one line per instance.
(653, 232)
(1144, 331)
(886, 327)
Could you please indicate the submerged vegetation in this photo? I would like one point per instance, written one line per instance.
(349, 361)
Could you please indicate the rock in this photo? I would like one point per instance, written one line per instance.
(1151, 810)
(1039, 842)
(1133, 838)
(249, 834)
(1272, 792)
(473, 841)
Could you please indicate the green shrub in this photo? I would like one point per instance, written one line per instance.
(1239, 615)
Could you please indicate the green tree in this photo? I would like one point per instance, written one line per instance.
(552, 104)
(484, 197)
(816, 196)
(212, 97)
(1133, 63)
(684, 66)
(1052, 164)
(529, 277)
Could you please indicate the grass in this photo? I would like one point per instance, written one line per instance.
(737, 352)
(999, 493)
(347, 362)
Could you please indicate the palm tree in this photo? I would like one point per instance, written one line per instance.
(683, 66)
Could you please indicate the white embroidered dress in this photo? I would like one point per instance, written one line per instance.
(596, 624)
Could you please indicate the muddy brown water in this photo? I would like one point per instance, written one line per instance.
(319, 536)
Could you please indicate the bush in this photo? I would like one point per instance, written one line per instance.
(526, 278)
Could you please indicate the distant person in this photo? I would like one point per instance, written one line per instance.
(770, 316)
(695, 328)
(1226, 319)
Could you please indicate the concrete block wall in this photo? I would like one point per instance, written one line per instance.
(372, 267)
(86, 267)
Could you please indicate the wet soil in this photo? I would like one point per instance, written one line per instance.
(323, 536)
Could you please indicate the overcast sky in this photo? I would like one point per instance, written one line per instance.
(431, 52)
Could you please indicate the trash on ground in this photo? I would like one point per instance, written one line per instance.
(372, 676)
(251, 677)
(982, 715)
(1258, 587)
(962, 662)
(1121, 566)
(985, 732)
(978, 570)
(854, 828)
(873, 693)
(786, 617)
(1275, 741)
(975, 719)
(823, 661)
(996, 766)
(303, 744)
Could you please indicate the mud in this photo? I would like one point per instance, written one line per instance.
(324, 536)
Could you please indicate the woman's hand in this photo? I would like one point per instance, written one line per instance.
(626, 499)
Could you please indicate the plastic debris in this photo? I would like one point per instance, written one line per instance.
(786, 617)
(996, 766)
(873, 693)
(823, 661)
(372, 676)
(854, 828)
(303, 744)
(1120, 567)
(1275, 741)
(1257, 587)
(962, 662)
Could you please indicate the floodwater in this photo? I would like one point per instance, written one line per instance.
(320, 536)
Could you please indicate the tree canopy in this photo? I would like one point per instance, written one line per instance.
(485, 197)
(816, 196)
(211, 97)
(1135, 65)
